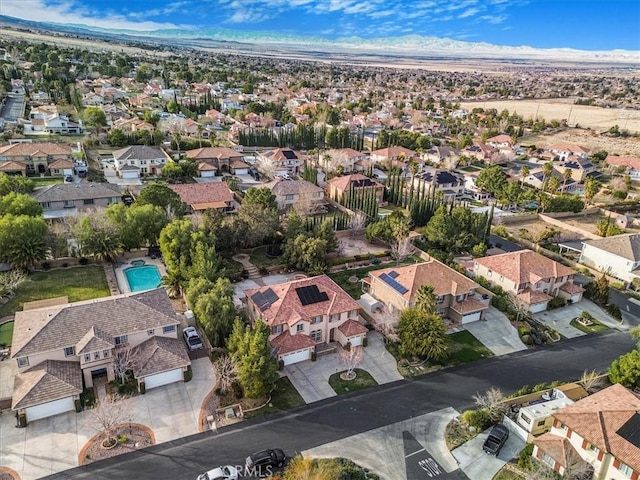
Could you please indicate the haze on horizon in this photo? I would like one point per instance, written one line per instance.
(593, 25)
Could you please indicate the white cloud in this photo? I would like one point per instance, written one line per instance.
(469, 12)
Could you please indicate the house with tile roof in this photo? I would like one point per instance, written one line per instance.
(202, 196)
(220, 158)
(630, 165)
(147, 160)
(284, 160)
(301, 192)
(303, 314)
(500, 142)
(457, 296)
(443, 181)
(532, 278)
(601, 430)
(341, 187)
(68, 199)
(61, 347)
(564, 150)
(390, 154)
(35, 156)
(618, 256)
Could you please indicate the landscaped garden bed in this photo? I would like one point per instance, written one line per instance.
(362, 380)
(130, 437)
(587, 324)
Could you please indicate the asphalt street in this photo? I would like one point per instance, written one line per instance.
(340, 417)
(629, 307)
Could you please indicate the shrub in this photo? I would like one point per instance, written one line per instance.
(122, 439)
(78, 404)
(22, 420)
(88, 397)
(525, 461)
(143, 388)
(524, 330)
(188, 374)
(527, 340)
(314, 356)
(46, 265)
(614, 311)
(365, 341)
(83, 261)
(236, 388)
(478, 419)
(280, 364)
(556, 302)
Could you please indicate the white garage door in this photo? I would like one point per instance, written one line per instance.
(296, 357)
(129, 174)
(538, 307)
(356, 341)
(165, 378)
(576, 297)
(241, 171)
(49, 409)
(472, 317)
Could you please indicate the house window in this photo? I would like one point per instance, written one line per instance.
(459, 298)
(477, 266)
(440, 298)
(121, 340)
(335, 317)
(288, 197)
(548, 460)
(541, 423)
(625, 469)
(316, 335)
(69, 351)
(96, 355)
(150, 332)
(316, 319)
(501, 278)
(87, 357)
(46, 204)
(69, 204)
(593, 448)
(354, 313)
(88, 201)
(105, 354)
(525, 419)
(562, 426)
(276, 329)
(23, 361)
(299, 328)
(489, 273)
(169, 329)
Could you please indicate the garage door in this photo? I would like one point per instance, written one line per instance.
(356, 341)
(50, 408)
(576, 297)
(164, 378)
(130, 175)
(538, 307)
(296, 357)
(472, 317)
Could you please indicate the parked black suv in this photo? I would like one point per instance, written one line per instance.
(272, 457)
(496, 439)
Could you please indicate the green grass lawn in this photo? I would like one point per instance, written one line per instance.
(595, 328)
(259, 258)
(284, 397)
(465, 348)
(363, 380)
(80, 283)
(6, 333)
(44, 181)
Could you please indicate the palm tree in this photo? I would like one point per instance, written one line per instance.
(566, 175)
(173, 283)
(524, 173)
(199, 127)
(27, 253)
(547, 169)
(426, 300)
(553, 185)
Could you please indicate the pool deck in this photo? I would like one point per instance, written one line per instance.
(123, 284)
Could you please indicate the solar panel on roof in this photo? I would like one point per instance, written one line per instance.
(393, 274)
(264, 299)
(393, 284)
(310, 295)
(289, 155)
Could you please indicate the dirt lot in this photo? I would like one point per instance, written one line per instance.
(597, 118)
(588, 139)
(533, 228)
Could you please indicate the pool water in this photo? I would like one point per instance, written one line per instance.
(142, 278)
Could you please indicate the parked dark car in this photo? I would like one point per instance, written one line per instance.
(272, 457)
(496, 439)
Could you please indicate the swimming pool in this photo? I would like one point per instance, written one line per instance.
(141, 278)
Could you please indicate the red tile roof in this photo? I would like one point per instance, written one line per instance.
(525, 266)
(61, 163)
(568, 147)
(558, 448)
(392, 152)
(285, 342)
(351, 328)
(532, 297)
(342, 183)
(629, 162)
(204, 195)
(502, 138)
(206, 153)
(35, 149)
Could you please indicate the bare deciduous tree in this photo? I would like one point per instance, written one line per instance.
(387, 324)
(357, 222)
(108, 414)
(334, 159)
(266, 167)
(307, 203)
(401, 249)
(519, 306)
(575, 469)
(592, 380)
(122, 362)
(351, 359)
(492, 400)
(10, 280)
(224, 370)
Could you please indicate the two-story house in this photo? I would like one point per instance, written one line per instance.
(35, 156)
(64, 346)
(618, 256)
(341, 187)
(600, 430)
(147, 160)
(202, 196)
(565, 150)
(298, 192)
(444, 182)
(457, 296)
(67, 199)
(220, 158)
(533, 278)
(392, 154)
(304, 313)
(284, 160)
(502, 142)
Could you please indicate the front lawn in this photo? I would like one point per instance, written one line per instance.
(258, 257)
(6, 333)
(79, 283)
(596, 326)
(465, 348)
(284, 397)
(45, 181)
(363, 380)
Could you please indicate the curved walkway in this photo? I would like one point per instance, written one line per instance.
(254, 274)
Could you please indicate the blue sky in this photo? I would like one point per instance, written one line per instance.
(581, 24)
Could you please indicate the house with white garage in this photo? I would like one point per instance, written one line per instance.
(533, 278)
(618, 256)
(458, 298)
(137, 161)
(62, 347)
(303, 314)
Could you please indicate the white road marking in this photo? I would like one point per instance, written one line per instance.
(417, 451)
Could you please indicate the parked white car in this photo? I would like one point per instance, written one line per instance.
(191, 336)
(226, 472)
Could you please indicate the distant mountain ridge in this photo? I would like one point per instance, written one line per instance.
(410, 46)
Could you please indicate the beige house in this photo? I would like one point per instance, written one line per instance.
(301, 193)
(203, 196)
(220, 158)
(63, 346)
(36, 156)
(391, 154)
(600, 430)
(533, 278)
(341, 187)
(456, 295)
(304, 313)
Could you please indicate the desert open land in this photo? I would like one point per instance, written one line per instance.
(629, 146)
(597, 118)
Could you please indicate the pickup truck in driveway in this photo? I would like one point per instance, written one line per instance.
(496, 439)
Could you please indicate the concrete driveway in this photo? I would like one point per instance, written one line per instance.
(560, 318)
(311, 379)
(496, 333)
(478, 465)
(53, 444)
(383, 451)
